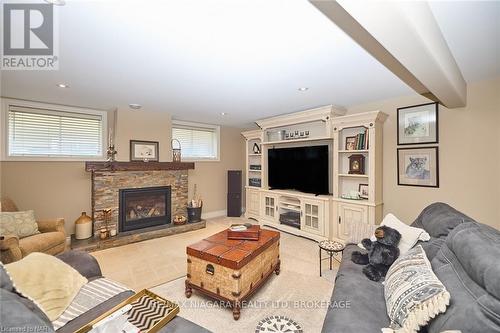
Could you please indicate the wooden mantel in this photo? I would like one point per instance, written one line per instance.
(137, 166)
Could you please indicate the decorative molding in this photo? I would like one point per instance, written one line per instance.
(137, 166)
(323, 113)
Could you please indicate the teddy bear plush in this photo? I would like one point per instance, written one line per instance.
(381, 253)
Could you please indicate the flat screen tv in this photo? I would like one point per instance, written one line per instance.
(303, 169)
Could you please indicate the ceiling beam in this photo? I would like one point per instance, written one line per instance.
(405, 38)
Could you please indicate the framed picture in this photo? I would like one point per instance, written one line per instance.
(418, 166)
(144, 150)
(350, 143)
(418, 124)
(363, 191)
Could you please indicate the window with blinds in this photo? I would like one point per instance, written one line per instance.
(40, 132)
(198, 141)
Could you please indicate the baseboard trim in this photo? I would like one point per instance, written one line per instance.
(217, 213)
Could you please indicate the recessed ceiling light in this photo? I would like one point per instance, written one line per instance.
(63, 85)
(56, 2)
(223, 113)
(303, 89)
(135, 106)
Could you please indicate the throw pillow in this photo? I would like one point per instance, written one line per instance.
(409, 235)
(360, 231)
(413, 293)
(20, 224)
(48, 281)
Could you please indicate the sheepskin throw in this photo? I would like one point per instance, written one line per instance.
(413, 293)
(48, 281)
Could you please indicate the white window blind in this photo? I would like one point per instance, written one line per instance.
(53, 133)
(197, 141)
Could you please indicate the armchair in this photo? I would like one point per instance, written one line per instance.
(50, 240)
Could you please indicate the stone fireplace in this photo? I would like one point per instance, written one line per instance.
(144, 207)
(128, 183)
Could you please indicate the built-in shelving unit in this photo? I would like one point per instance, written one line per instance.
(324, 216)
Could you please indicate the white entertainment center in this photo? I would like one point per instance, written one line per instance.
(318, 216)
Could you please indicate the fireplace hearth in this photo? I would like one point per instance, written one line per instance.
(144, 207)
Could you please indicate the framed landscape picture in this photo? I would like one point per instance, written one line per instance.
(144, 150)
(418, 166)
(418, 124)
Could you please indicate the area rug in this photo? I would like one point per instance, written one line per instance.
(150, 263)
(298, 296)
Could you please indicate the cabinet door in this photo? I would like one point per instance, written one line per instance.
(253, 202)
(313, 216)
(269, 207)
(348, 214)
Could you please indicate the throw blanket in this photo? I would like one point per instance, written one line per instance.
(50, 283)
(91, 295)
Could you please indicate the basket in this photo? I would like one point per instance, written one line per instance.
(194, 214)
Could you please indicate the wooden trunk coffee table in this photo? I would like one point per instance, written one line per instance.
(232, 270)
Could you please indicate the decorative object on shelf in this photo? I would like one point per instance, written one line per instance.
(110, 153)
(418, 124)
(353, 195)
(255, 167)
(357, 164)
(256, 182)
(112, 232)
(350, 143)
(176, 151)
(106, 218)
(144, 150)
(256, 148)
(83, 226)
(418, 166)
(179, 219)
(363, 191)
(103, 233)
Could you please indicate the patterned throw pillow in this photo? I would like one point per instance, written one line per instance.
(20, 224)
(413, 293)
(359, 231)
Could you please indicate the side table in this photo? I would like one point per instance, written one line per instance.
(331, 247)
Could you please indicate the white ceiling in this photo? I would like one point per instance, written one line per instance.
(196, 59)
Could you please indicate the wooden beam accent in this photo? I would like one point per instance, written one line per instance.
(406, 39)
(137, 166)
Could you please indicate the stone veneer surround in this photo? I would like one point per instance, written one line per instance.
(106, 186)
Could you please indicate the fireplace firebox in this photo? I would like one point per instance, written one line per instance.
(144, 207)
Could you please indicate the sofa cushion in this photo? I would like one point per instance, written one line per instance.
(20, 224)
(43, 242)
(467, 264)
(357, 303)
(438, 219)
(18, 311)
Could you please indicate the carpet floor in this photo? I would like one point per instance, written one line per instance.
(298, 293)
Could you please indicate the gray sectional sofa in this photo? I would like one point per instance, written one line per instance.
(20, 314)
(465, 256)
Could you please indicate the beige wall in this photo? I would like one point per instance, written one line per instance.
(62, 189)
(211, 177)
(469, 156)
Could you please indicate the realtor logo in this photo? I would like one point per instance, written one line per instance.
(29, 37)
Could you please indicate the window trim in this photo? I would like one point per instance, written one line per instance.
(4, 126)
(190, 124)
